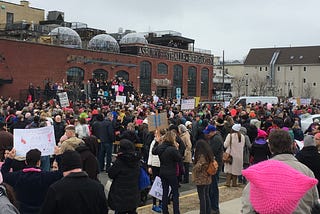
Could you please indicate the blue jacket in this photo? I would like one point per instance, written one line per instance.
(30, 185)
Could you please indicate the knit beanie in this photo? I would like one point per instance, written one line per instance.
(275, 187)
(70, 160)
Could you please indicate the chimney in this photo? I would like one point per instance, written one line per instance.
(24, 3)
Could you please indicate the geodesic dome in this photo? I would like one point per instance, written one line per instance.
(104, 42)
(67, 37)
(133, 38)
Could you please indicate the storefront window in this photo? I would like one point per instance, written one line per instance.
(100, 75)
(192, 81)
(145, 77)
(177, 78)
(204, 82)
(75, 75)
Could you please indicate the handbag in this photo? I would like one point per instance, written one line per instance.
(144, 179)
(213, 167)
(226, 156)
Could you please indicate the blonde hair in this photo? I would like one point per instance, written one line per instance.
(170, 136)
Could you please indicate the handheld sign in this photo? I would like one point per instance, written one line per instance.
(187, 104)
(156, 189)
(121, 99)
(63, 98)
(40, 138)
(157, 121)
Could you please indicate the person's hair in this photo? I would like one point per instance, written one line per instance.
(82, 120)
(170, 136)
(10, 194)
(33, 156)
(280, 142)
(131, 127)
(203, 148)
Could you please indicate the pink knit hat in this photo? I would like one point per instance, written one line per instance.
(1, 179)
(275, 187)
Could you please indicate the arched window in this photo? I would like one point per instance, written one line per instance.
(162, 68)
(177, 78)
(192, 81)
(100, 74)
(145, 77)
(123, 74)
(204, 82)
(75, 74)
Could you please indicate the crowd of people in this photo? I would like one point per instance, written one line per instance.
(258, 137)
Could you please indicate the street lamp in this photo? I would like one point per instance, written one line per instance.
(247, 83)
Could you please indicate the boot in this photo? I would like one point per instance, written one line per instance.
(234, 180)
(228, 179)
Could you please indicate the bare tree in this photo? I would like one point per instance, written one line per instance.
(237, 84)
(307, 90)
(258, 84)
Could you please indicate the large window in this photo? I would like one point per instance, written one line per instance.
(177, 78)
(162, 68)
(145, 77)
(75, 75)
(123, 74)
(100, 75)
(204, 82)
(192, 81)
(9, 18)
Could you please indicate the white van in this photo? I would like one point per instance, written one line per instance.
(246, 100)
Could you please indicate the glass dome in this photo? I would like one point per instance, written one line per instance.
(104, 42)
(66, 37)
(133, 38)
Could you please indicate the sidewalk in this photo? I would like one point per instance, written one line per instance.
(228, 207)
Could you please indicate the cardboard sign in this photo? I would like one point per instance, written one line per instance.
(63, 98)
(156, 189)
(39, 138)
(121, 99)
(187, 104)
(159, 121)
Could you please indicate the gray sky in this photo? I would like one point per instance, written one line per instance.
(235, 26)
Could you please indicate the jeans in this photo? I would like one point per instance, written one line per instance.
(173, 182)
(214, 192)
(203, 194)
(45, 163)
(186, 172)
(105, 151)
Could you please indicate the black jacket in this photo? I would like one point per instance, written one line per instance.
(124, 192)
(104, 131)
(30, 185)
(58, 130)
(169, 157)
(216, 144)
(75, 193)
(310, 157)
(89, 161)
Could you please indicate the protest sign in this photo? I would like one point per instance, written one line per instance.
(63, 98)
(39, 138)
(157, 121)
(187, 104)
(121, 99)
(156, 189)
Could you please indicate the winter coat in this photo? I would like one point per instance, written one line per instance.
(169, 157)
(89, 161)
(58, 130)
(185, 137)
(82, 131)
(310, 157)
(6, 143)
(5, 205)
(305, 204)
(236, 150)
(130, 135)
(104, 131)
(124, 194)
(153, 160)
(75, 193)
(216, 144)
(260, 150)
(71, 144)
(199, 172)
(298, 134)
(30, 185)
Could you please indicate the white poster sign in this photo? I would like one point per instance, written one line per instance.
(187, 104)
(156, 189)
(39, 138)
(64, 101)
(121, 99)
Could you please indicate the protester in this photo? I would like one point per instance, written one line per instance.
(6, 142)
(30, 184)
(169, 158)
(8, 203)
(185, 137)
(234, 144)
(82, 128)
(124, 194)
(215, 142)
(266, 189)
(76, 192)
(260, 149)
(200, 177)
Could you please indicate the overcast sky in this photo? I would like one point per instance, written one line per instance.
(234, 26)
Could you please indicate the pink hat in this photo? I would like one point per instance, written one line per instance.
(275, 187)
(1, 179)
(262, 134)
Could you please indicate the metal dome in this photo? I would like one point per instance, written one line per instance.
(67, 37)
(133, 38)
(104, 42)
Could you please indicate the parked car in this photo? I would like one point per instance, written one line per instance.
(307, 120)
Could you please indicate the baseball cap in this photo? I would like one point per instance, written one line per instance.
(209, 128)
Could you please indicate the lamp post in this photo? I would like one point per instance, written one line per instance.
(247, 83)
(223, 75)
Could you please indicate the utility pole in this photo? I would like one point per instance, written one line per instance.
(223, 75)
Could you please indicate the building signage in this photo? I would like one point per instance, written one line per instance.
(175, 55)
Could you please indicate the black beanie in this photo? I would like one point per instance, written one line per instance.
(70, 160)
